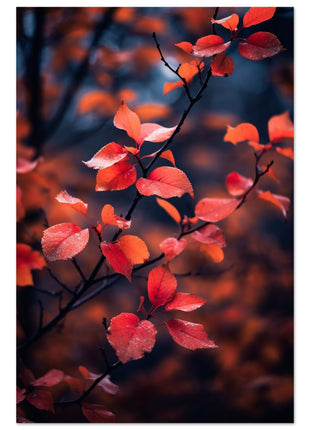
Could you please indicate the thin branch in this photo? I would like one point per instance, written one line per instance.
(64, 286)
(77, 266)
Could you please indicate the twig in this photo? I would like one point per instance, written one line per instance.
(76, 265)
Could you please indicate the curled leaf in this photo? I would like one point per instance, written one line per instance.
(172, 247)
(230, 22)
(210, 233)
(152, 132)
(281, 202)
(170, 209)
(127, 120)
(208, 46)
(237, 184)
(107, 156)
(109, 218)
(75, 203)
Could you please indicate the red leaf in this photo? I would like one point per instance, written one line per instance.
(222, 65)
(161, 286)
(279, 127)
(127, 120)
(131, 337)
(242, 132)
(258, 147)
(230, 22)
(187, 71)
(97, 413)
(209, 45)
(213, 251)
(185, 46)
(63, 241)
(185, 302)
(134, 249)
(170, 209)
(117, 259)
(41, 399)
(210, 233)
(20, 394)
(237, 184)
(75, 384)
(51, 378)
(281, 202)
(27, 260)
(109, 218)
(117, 177)
(172, 247)
(256, 15)
(106, 384)
(25, 166)
(165, 182)
(260, 45)
(107, 156)
(152, 132)
(77, 204)
(189, 335)
(287, 152)
(212, 209)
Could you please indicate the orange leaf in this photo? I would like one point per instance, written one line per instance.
(256, 15)
(130, 337)
(237, 184)
(97, 101)
(109, 218)
(127, 120)
(161, 286)
(27, 260)
(230, 22)
(77, 204)
(281, 202)
(117, 177)
(107, 156)
(168, 155)
(258, 146)
(63, 241)
(150, 111)
(279, 127)
(287, 152)
(134, 249)
(172, 247)
(165, 182)
(213, 251)
(187, 71)
(222, 65)
(185, 46)
(117, 258)
(212, 209)
(170, 209)
(170, 86)
(242, 132)
(208, 46)
(189, 335)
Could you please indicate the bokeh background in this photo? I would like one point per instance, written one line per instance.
(74, 67)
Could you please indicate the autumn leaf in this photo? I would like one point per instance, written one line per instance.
(210, 233)
(185, 46)
(189, 335)
(244, 131)
(172, 247)
(75, 203)
(25, 166)
(128, 120)
(117, 259)
(213, 251)
(256, 15)
(27, 260)
(117, 177)
(63, 241)
(165, 182)
(185, 302)
(230, 22)
(208, 46)
(213, 209)
(280, 127)
(187, 71)
(107, 156)
(222, 65)
(97, 413)
(237, 184)
(281, 202)
(106, 384)
(41, 399)
(161, 286)
(170, 209)
(260, 45)
(51, 378)
(134, 248)
(152, 132)
(97, 101)
(130, 337)
(287, 152)
(109, 218)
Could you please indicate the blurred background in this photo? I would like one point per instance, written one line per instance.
(74, 67)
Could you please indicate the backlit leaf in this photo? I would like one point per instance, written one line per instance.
(170, 209)
(165, 182)
(107, 156)
(109, 218)
(185, 46)
(63, 241)
(287, 152)
(237, 184)
(51, 378)
(41, 399)
(130, 337)
(230, 22)
(222, 65)
(279, 127)
(260, 45)
(213, 251)
(256, 15)
(172, 247)
(281, 202)
(210, 233)
(26, 260)
(97, 413)
(212, 209)
(161, 286)
(117, 258)
(127, 120)
(98, 101)
(208, 46)
(242, 132)
(117, 177)
(185, 302)
(168, 155)
(152, 132)
(134, 248)
(189, 335)
(75, 203)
